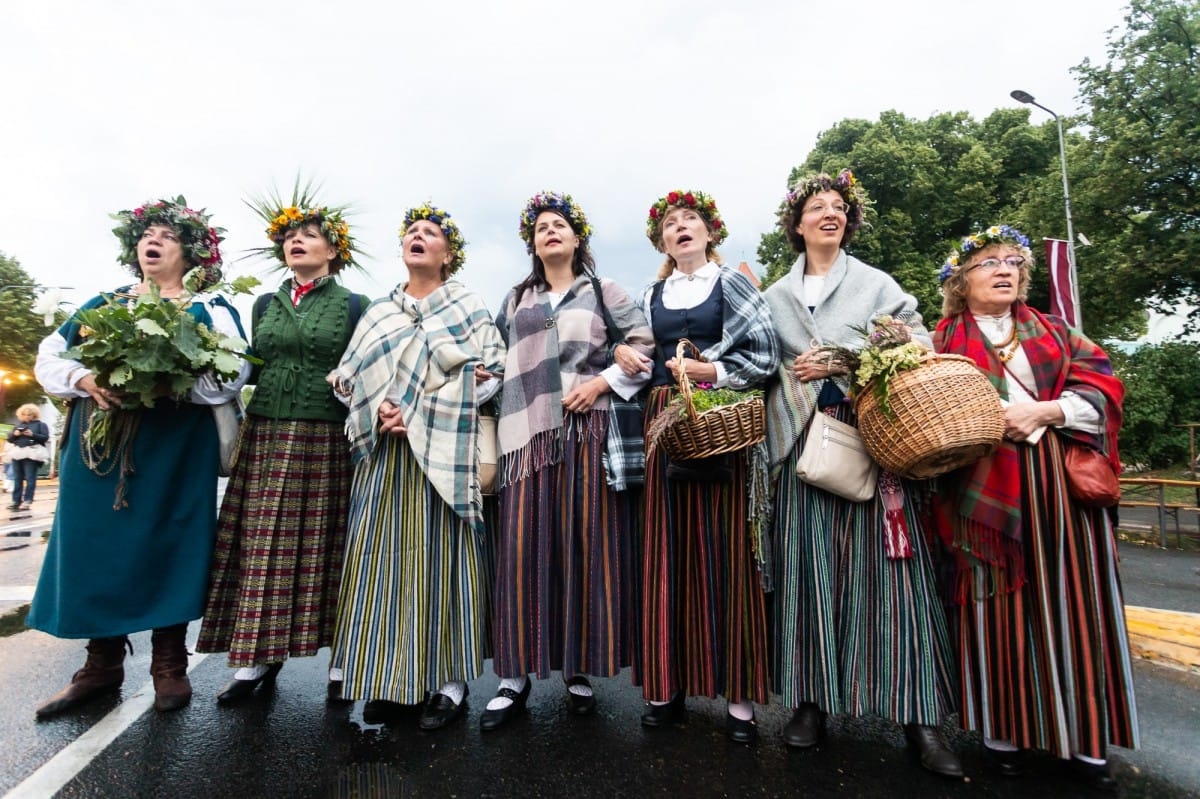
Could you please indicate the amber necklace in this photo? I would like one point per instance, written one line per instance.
(1007, 349)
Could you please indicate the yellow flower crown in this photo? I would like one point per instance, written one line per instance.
(301, 211)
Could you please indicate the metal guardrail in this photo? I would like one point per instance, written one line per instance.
(1152, 486)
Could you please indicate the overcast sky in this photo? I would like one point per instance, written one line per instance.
(476, 106)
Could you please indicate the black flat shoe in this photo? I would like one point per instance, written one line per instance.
(441, 710)
(236, 690)
(804, 729)
(662, 715)
(577, 703)
(1008, 763)
(333, 691)
(740, 731)
(495, 719)
(381, 711)
(932, 751)
(1095, 775)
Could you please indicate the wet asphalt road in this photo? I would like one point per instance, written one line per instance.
(290, 742)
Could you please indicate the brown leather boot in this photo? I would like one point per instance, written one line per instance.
(102, 672)
(168, 667)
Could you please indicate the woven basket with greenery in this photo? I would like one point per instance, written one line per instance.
(688, 429)
(940, 415)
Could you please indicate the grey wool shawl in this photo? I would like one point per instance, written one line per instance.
(552, 349)
(854, 294)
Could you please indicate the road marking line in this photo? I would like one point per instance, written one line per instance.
(55, 773)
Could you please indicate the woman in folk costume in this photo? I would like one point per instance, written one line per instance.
(416, 581)
(565, 567)
(859, 624)
(705, 567)
(1038, 614)
(282, 526)
(142, 563)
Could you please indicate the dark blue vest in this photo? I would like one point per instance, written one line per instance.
(701, 325)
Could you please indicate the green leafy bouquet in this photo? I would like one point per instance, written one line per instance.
(888, 351)
(148, 347)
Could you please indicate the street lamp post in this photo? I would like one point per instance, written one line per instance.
(1026, 97)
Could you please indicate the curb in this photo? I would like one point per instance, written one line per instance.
(1170, 637)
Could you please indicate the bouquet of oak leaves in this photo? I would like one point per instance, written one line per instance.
(148, 347)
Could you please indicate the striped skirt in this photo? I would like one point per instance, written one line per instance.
(855, 631)
(277, 560)
(1048, 666)
(413, 609)
(565, 566)
(704, 623)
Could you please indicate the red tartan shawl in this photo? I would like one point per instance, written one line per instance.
(979, 511)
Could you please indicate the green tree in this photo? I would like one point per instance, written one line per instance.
(933, 181)
(1140, 199)
(20, 332)
(1162, 391)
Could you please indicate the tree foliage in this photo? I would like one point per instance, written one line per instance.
(1162, 392)
(1143, 153)
(20, 332)
(933, 181)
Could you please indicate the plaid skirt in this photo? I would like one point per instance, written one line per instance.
(277, 562)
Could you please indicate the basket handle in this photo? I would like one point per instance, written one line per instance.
(685, 383)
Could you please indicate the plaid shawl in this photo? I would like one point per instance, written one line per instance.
(550, 352)
(430, 354)
(979, 511)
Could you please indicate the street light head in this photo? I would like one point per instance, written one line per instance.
(1020, 96)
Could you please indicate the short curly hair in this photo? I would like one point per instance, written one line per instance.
(845, 184)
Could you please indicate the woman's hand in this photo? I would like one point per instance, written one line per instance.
(815, 365)
(697, 371)
(1023, 418)
(631, 361)
(482, 375)
(391, 421)
(583, 397)
(106, 398)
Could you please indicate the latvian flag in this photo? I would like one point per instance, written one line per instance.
(1064, 293)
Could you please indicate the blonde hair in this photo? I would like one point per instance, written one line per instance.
(31, 409)
(954, 290)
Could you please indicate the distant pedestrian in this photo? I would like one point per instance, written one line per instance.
(29, 454)
(281, 532)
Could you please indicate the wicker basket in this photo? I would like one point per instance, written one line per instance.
(945, 414)
(717, 430)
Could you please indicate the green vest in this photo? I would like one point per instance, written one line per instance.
(299, 346)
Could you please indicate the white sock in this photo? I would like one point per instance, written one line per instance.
(455, 689)
(743, 710)
(251, 673)
(335, 674)
(580, 690)
(999, 744)
(511, 683)
(1095, 761)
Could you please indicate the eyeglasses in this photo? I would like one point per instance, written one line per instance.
(821, 208)
(992, 264)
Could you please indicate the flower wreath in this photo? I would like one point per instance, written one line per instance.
(996, 234)
(449, 229)
(844, 184)
(199, 239)
(300, 211)
(553, 201)
(697, 201)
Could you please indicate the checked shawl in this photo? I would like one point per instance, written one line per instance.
(981, 510)
(550, 352)
(430, 354)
